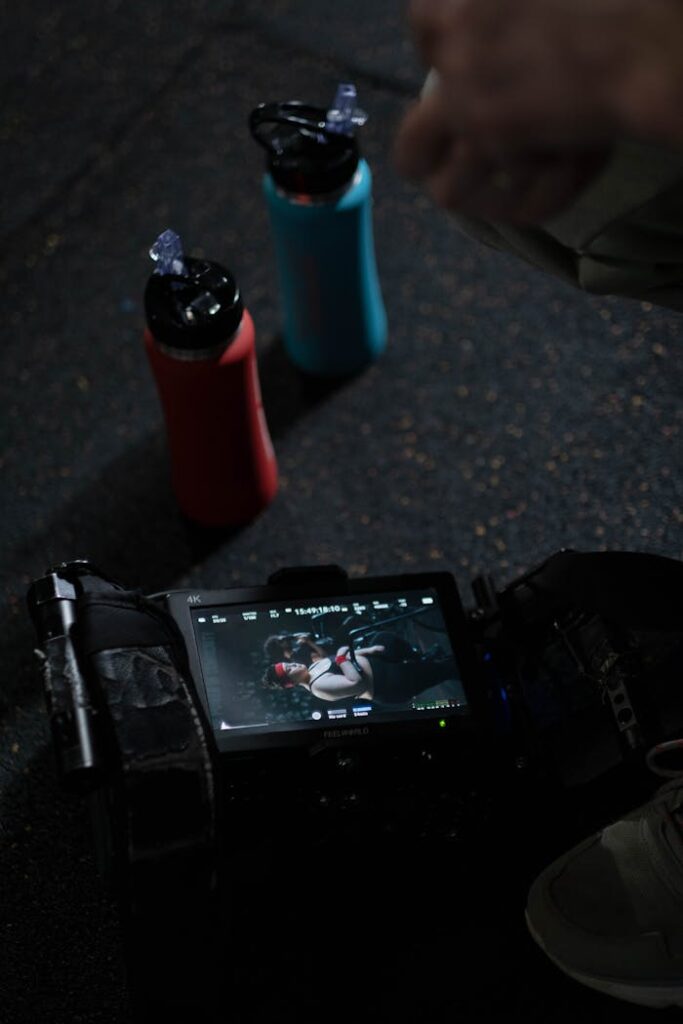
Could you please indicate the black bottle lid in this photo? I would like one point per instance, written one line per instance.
(305, 154)
(194, 311)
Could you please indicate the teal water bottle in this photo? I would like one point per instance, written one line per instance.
(319, 194)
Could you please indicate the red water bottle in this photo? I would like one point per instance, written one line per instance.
(200, 344)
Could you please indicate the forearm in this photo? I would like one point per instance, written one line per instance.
(316, 649)
(334, 687)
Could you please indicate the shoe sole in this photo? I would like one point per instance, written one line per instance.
(656, 997)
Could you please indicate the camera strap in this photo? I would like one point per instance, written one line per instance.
(157, 809)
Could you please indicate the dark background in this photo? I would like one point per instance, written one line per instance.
(509, 417)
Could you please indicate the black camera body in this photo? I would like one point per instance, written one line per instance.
(582, 642)
(411, 723)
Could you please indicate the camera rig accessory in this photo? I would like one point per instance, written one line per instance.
(128, 734)
(589, 646)
(577, 655)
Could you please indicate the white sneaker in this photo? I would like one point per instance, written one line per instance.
(609, 913)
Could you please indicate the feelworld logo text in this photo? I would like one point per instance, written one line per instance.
(333, 734)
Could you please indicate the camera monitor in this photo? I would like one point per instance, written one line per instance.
(278, 668)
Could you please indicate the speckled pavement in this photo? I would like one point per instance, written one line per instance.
(510, 415)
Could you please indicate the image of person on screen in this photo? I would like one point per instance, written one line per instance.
(303, 648)
(378, 673)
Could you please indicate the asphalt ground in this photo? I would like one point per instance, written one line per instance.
(510, 416)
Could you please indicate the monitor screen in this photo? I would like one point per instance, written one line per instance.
(272, 667)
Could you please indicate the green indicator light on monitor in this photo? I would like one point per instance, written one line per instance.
(442, 723)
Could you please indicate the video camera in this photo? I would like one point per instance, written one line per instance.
(207, 727)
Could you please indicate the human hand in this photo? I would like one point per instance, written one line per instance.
(531, 94)
(515, 187)
(554, 72)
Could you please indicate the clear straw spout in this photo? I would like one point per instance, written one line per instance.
(167, 253)
(343, 116)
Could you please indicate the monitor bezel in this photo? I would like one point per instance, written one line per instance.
(476, 725)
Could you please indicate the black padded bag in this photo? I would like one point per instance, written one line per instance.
(122, 664)
(589, 636)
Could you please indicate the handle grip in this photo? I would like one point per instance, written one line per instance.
(309, 120)
(52, 606)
